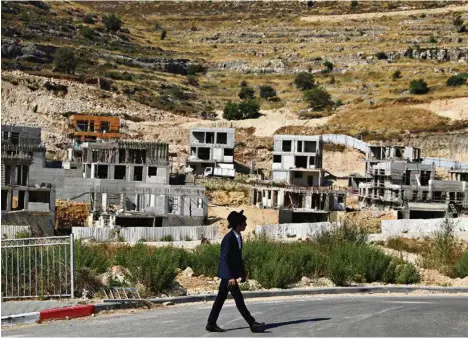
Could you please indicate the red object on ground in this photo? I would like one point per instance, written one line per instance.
(64, 312)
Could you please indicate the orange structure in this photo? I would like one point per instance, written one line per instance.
(90, 127)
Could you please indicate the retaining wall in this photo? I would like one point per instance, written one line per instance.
(420, 226)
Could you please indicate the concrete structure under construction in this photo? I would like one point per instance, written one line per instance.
(24, 202)
(211, 147)
(297, 160)
(300, 205)
(379, 154)
(459, 174)
(414, 190)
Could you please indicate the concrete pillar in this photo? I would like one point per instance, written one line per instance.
(52, 200)
(129, 173)
(26, 199)
(93, 170)
(110, 171)
(9, 200)
(104, 201)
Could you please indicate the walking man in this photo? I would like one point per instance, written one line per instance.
(231, 268)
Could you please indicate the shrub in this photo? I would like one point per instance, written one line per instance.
(461, 268)
(163, 34)
(167, 238)
(277, 272)
(195, 68)
(328, 66)
(354, 4)
(338, 269)
(381, 56)
(86, 279)
(432, 40)
(112, 23)
(347, 232)
(158, 26)
(87, 32)
(243, 83)
(310, 3)
(418, 87)
(120, 76)
(88, 18)
(304, 81)
(64, 60)
(92, 257)
(22, 234)
(396, 75)
(456, 80)
(407, 274)
(247, 93)
(239, 111)
(445, 247)
(205, 260)
(317, 98)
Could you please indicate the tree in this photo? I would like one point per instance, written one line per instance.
(310, 3)
(418, 87)
(354, 4)
(112, 23)
(195, 68)
(381, 56)
(267, 92)
(328, 66)
(247, 93)
(456, 80)
(317, 98)
(163, 34)
(243, 83)
(239, 111)
(64, 60)
(87, 32)
(304, 81)
(459, 24)
(396, 75)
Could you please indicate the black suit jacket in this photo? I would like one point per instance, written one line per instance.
(230, 262)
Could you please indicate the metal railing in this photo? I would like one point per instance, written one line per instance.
(37, 267)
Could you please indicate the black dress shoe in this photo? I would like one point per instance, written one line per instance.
(257, 327)
(214, 328)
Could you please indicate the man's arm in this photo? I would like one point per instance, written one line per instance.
(226, 255)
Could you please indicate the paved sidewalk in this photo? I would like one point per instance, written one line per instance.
(26, 306)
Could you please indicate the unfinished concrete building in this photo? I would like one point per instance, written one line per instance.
(379, 154)
(459, 174)
(24, 202)
(211, 147)
(89, 128)
(413, 189)
(297, 160)
(300, 205)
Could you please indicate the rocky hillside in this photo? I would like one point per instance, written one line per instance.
(160, 87)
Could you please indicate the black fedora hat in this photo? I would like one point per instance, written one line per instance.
(235, 218)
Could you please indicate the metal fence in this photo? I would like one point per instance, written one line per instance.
(135, 234)
(37, 267)
(10, 231)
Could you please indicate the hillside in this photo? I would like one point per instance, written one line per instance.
(161, 87)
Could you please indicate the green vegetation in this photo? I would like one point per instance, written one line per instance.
(318, 98)
(418, 87)
(247, 93)
(461, 268)
(354, 4)
(457, 80)
(304, 81)
(64, 60)
(328, 67)
(381, 56)
(247, 109)
(163, 34)
(267, 92)
(88, 18)
(112, 23)
(167, 238)
(396, 75)
(87, 32)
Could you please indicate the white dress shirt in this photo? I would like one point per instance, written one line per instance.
(238, 236)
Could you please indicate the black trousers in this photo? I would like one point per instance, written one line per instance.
(236, 293)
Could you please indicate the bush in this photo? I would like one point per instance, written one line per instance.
(86, 279)
(112, 23)
(432, 40)
(247, 93)
(125, 76)
(445, 247)
(239, 111)
(396, 75)
(91, 257)
(23, 234)
(163, 34)
(328, 66)
(407, 274)
(304, 81)
(354, 4)
(338, 269)
(243, 83)
(64, 60)
(87, 32)
(418, 87)
(318, 98)
(277, 272)
(167, 238)
(205, 260)
(456, 80)
(347, 232)
(381, 56)
(461, 268)
(195, 68)
(88, 18)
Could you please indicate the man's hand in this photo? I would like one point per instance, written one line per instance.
(233, 281)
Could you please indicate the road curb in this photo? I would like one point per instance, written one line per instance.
(22, 318)
(67, 312)
(316, 291)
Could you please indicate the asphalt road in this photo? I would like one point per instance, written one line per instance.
(301, 316)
